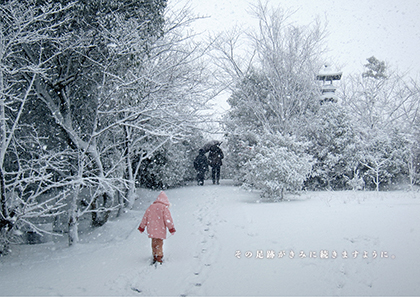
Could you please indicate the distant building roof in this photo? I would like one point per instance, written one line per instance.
(327, 73)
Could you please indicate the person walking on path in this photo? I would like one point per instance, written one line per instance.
(201, 164)
(215, 161)
(157, 218)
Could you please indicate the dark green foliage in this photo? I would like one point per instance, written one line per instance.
(375, 69)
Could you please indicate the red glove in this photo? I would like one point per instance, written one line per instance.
(141, 229)
(172, 231)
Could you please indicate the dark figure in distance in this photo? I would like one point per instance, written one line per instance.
(201, 165)
(215, 161)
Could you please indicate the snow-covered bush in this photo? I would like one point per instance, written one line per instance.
(278, 166)
(357, 182)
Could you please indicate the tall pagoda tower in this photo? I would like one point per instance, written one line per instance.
(327, 75)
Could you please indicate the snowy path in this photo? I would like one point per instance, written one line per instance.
(215, 222)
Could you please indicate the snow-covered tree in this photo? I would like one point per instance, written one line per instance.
(105, 80)
(375, 68)
(154, 100)
(277, 85)
(384, 105)
(85, 73)
(30, 181)
(384, 157)
(334, 145)
(273, 90)
(240, 150)
(289, 56)
(168, 93)
(382, 99)
(250, 105)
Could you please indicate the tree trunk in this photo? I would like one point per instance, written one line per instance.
(411, 169)
(99, 218)
(3, 136)
(106, 195)
(4, 213)
(120, 204)
(74, 218)
(129, 169)
(5, 224)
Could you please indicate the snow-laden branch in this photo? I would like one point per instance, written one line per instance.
(9, 134)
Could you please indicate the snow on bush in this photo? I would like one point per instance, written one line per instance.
(279, 165)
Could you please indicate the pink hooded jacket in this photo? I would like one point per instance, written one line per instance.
(157, 218)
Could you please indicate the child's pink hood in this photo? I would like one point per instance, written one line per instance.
(162, 198)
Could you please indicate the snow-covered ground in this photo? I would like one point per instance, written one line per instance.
(222, 231)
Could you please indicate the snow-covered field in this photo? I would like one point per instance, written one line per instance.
(230, 243)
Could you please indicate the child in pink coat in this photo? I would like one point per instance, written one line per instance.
(157, 218)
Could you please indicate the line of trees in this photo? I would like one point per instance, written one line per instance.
(281, 137)
(94, 96)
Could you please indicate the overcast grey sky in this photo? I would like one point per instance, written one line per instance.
(358, 29)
